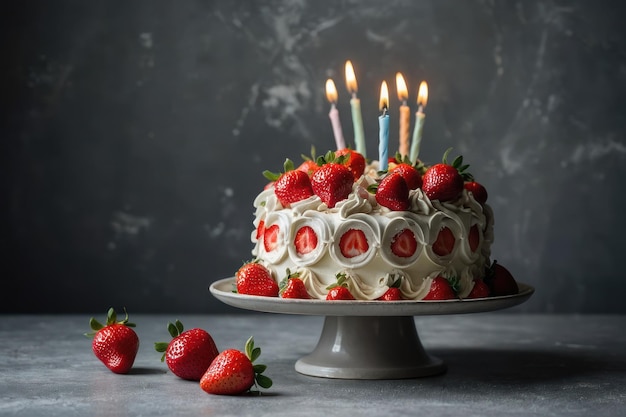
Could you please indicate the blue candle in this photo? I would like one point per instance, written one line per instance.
(383, 128)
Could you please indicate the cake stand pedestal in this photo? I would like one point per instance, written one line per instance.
(367, 339)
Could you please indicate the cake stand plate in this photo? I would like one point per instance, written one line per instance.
(367, 339)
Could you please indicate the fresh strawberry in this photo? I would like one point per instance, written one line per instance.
(444, 182)
(473, 238)
(189, 354)
(500, 280)
(293, 287)
(115, 343)
(305, 240)
(404, 244)
(292, 185)
(339, 290)
(480, 289)
(233, 372)
(440, 289)
(309, 166)
(255, 279)
(333, 181)
(393, 292)
(353, 243)
(393, 193)
(355, 161)
(478, 190)
(444, 245)
(270, 237)
(411, 176)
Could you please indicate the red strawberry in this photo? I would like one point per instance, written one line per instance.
(440, 289)
(255, 279)
(270, 237)
(473, 238)
(115, 343)
(444, 245)
(305, 240)
(392, 294)
(500, 280)
(411, 176)
(404, 244)
(309, 166)
(353, 243)
(232, 372)
(292, 185)
(478, 190)
(355, 161)
(444, 182)
(339, 290)
(332, 183)
(393, 193)
(293, 287)
(480, 290)
(189, 354)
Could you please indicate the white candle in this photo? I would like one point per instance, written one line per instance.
(331, 95)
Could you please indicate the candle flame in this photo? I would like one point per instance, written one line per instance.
(350, 78)
(403, 92)
(331, 91)
(384, 97)
(422, 94)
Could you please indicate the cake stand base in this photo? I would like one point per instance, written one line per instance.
(363, 347)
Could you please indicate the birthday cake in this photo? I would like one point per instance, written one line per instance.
(338, 228)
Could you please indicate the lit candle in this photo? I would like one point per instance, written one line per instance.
(422, 98)
(331, 95)
(405, 115)
(355, 105)
(383, 127)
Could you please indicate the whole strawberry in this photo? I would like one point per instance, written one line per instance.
(339, 290)
(233, 372)
(393, 292)
(255, 279)
(115, 343)
(333, 181)
(479, 290)
(440, 289)
(500, 281)
(291, 186)
(444, 182)
(293, 287)
(478, 190)
(355, 161)
(393, 193)
(189, 354)
(411, 176)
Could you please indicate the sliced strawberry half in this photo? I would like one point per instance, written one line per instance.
(473, 238)
(270, 237)
(353, 243)
(260, 230)
(445, 242)
(404, 244)
(305, 240)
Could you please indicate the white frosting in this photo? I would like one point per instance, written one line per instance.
(370, 274)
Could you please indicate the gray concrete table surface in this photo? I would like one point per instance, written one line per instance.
(499, 364)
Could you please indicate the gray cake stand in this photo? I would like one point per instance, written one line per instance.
(367, 339)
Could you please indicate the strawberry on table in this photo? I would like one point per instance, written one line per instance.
(233, 372)
(443, 181)
(339, 290)
(115, 344)
(189, 353)
(255, 279)
(293, 287)
(440, 289)
(292, 185)
(393, 193)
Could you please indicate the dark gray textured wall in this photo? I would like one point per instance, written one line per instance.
(135, 133)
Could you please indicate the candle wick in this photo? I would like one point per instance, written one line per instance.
(353, 94)
(384, 111)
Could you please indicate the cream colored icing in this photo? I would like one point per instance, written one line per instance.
(370, 274)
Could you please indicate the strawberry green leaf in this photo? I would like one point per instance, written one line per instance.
(256, 352)
(172, 330)
(263, 381)
(179, 326)
(272, 176)
(161, 347)
(288, 165)
(111, 316)
(95, 324)
(259, 369)
(249, 347)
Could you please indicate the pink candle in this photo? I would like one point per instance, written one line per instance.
(331, 95)
(405, 115)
